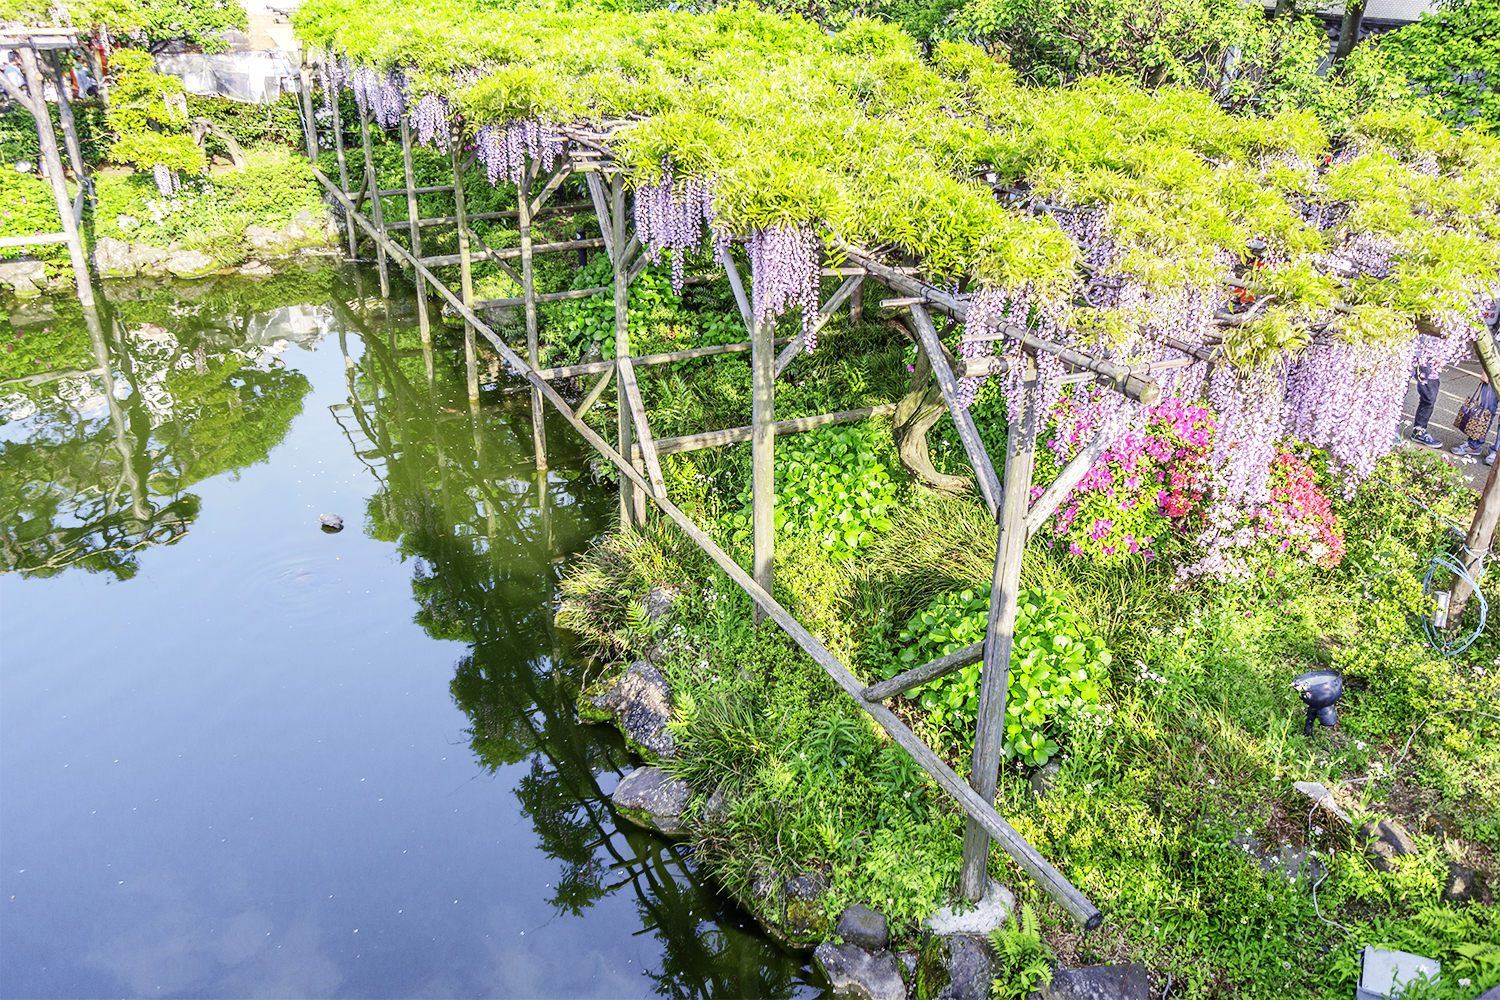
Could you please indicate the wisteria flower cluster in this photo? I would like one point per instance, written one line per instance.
(784, 274)
(1151, 482)
(1294, 531)
(671, 215)
(503, 149)
(381, 95)
(434, 121)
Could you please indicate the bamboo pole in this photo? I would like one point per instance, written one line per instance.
(424, 321)
(338, 153)
(376, 212)
(465, 266)
(528, 292)
(595, 367)
(47, 139)
(309, 125)
(1052, 882)
(927, 672)
(1005, 587)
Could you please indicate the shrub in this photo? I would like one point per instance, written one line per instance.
(1151, 482)
(830, 482)
(27, 209)
(1057, 667)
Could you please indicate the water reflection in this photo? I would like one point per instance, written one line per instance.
(461, 497)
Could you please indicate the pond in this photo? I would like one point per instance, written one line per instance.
(247, 757)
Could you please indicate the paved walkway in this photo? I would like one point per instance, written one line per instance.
(1458, 382)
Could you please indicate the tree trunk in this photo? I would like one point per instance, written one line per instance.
(915, 415)
(1354, 13)
(1285, 8)
(1482, 529)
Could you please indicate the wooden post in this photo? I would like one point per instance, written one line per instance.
(857, 303)
(413, 216)
(377, 214)
(528, 290)
(630, 505)
(309, 125)
(65, 118)
(53, 159)
(465, 262)
(762, 457)
(989, 736)
(1482, 529)
(338, 153)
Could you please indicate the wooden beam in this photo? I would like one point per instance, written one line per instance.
(465, 265)
(511, 253)
(1071, 475)
(509, 213)
(821, 320)
(646, 447)
(47, 139)
(979, 458)
(594, 367)
(424, 320)
(304, 94)
(559, 174)
(632, 503)
(999, 636)
(739, 435)
(41, 239)
(1052, 882)
(925, 674)
(376, 212)
(594, 393)
(601, 211)
(762, 457)
(338, 153)
(66, 120)
(528, 292)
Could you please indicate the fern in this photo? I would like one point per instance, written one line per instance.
(1025, 959)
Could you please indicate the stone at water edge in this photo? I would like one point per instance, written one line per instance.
(803, 918)
(256, 269)
(1098, 982)
(986, 915)
(190, 263)
(652, 798)
(23, 276)
(970, 968)
(862, 926)
(854, 972)
(113, 259)
(641, 702)
(1493, 993)
(265, 239)
(659, 601)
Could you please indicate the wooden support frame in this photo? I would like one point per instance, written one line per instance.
(376, 212)
(999, 636)
(465, 264)
(926, 673)
(983, 812)
(739, 435)
(979, 458)
(528, 293)
(424, 320)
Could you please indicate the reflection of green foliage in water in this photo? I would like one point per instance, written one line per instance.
(468, 517)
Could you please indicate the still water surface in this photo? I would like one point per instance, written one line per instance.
(240, 756)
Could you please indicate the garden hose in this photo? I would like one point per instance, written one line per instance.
(1452, 647)
(1355, 781)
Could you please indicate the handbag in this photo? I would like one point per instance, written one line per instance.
(1474, 417)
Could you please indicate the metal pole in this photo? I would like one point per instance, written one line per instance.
(372, 182)
(465, 262)
(528, 290)
(989, 736)
(48, 141)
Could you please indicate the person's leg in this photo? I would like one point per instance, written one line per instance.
(1427, 394)
(1488, 400)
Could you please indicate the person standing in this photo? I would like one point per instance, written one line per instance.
(1428, 381)
(1488, 398)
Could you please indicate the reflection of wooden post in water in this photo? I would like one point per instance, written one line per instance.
(528, 291)
(465, 263)
(128, 474)
(424, 322)
(377, 212)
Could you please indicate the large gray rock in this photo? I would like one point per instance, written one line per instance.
(652, 798)
(1460, 885)
(265, 239)
(1098, 982)
(641, 702)
(23, 277)
(256, 269)
(1044, 779)
(151, 260)
(1385, 841)
(190, 263)
(862, 926)
(113, 259)
(854, 972)
(970, 968)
